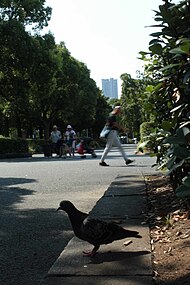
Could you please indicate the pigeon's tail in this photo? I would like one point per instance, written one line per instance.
(121, 233)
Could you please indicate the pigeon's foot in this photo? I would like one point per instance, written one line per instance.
(89, 253)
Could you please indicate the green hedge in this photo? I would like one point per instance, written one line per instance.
(8, 145)
(146, 129)
(36, 146)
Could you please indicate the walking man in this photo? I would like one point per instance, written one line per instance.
(112, 137)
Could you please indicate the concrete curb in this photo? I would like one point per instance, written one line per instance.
(125, 202)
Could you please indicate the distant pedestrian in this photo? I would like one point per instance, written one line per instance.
(55, 138)
(112, 128)
(70, 140)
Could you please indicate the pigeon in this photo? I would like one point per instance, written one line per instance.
(94, 231)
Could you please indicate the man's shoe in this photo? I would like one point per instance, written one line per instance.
(128, 161)
(103, 163)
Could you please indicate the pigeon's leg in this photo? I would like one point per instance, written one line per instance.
(91, 253)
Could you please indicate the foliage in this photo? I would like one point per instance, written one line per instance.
(16, 59)
(103, 108)
(154, 143)
(14, 63)
(8, 146)
(178, 163)
(26, 12)
(41, 83)
(135, 103)
(145, 129)
(35, 145)
(168, 64)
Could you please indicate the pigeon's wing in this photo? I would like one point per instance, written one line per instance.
(97, 232)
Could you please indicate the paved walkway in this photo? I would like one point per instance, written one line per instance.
(115, 264)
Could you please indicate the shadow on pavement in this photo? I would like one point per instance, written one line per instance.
(116, 256)
(29, 239)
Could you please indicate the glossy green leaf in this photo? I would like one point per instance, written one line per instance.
(186, 180)
(175, 140)
(156, 49)
(170, 66)
(183, 131)
(183, 191)
(154, 41)
(166, 125)
(150, 88)
(170, 162)
(177, 108)
(143, 144)
(177, 51)
(158, 19)
(186, 76)
(175, 166)
(156, 34)
(181, 152)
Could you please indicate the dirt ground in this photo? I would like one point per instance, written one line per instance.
(169, 219)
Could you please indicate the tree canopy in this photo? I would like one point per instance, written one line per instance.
(26, 12)
(41, 83)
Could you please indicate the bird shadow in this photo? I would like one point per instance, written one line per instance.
(112, 256)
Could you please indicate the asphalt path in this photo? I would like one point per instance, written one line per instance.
(32, 234)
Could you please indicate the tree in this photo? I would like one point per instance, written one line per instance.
(16, 54)
(135, 109)
(168, 56)
(79, 91)
(62, 89)
(103, 108)
(44, 100)
(41, 83)
(15, 62)
(169, 65)
(26, 12)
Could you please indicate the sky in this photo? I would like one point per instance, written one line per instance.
(106, 35)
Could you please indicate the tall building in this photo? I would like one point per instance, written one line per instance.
(110, 88)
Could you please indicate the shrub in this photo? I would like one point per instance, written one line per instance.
(36, 146)
(146, 129)
(8, 145)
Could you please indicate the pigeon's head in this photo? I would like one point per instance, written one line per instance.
(65, 206)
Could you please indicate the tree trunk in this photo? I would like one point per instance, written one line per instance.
(46, 130)
(6, 128)
(18, 127)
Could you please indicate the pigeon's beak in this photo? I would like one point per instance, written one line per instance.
(58, 209)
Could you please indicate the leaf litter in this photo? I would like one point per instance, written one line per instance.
(169, 220)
